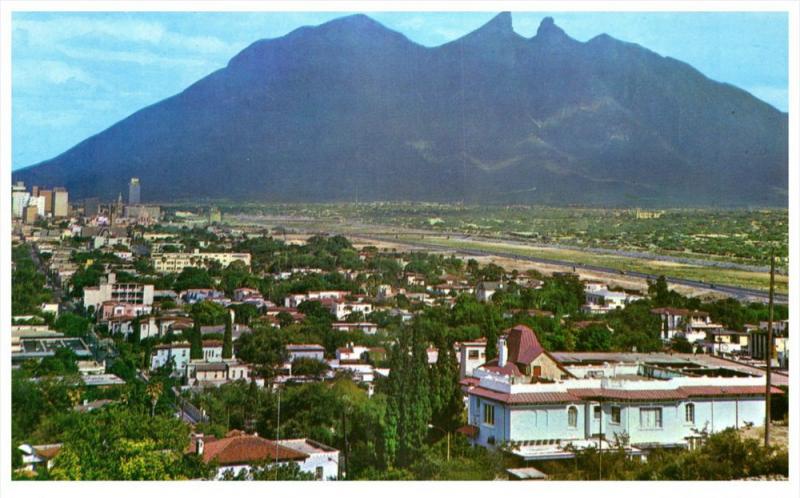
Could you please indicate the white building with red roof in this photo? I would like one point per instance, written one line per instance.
(239, 453)
(527, 397)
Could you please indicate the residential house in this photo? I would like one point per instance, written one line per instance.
(178, 353)
(238, 453)
(192, 296)
(116, 309)
(471, 355)
(545, 416)
(601, 300)
(294, 300)
(342, 309)
(486, 290)
(311, 351)
(368, 328)
(757, 344)
(34, 457)
(110, 290)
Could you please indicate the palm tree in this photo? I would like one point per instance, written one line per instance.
(154, 391)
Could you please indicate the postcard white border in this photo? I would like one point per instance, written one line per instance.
(353, 489)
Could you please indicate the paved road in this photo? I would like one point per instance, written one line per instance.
(740, 293)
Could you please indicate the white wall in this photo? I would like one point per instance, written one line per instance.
(522, 423)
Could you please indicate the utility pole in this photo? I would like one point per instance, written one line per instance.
(600, 441)
(346, 452)
(278, 433)
(768, 397)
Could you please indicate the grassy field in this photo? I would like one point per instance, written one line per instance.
(751, 280)
(743, 236)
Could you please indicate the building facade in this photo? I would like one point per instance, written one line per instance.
(110, 290)
(176, 262)
(544, 417)
(134, 191)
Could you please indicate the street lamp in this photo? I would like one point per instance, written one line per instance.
(447, 433)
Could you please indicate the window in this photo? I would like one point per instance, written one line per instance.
(616, 414)
(572, 416)
(690, 413)
(597, 412)
(488, 414)
(650, 418)
(473, 354)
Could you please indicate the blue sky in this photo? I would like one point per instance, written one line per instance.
(75, 74)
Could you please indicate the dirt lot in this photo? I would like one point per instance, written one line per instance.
(779, 434)
(521, 266)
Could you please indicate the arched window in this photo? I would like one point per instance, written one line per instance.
(690, 413)
(572, 416)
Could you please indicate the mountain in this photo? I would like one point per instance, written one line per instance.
(350, 110)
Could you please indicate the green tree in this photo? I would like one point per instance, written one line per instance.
(310, 367)
(72, 324)
(118, 443)
(264, 348)
(227, 341)
(64, 361)
(447, 405)
(595, 337)
(409, 408)
(193, 278)
(196, 343)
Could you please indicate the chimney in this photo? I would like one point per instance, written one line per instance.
(502, 352)
(199, 444)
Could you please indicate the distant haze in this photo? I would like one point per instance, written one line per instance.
(353, 110)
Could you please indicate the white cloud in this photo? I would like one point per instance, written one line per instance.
(49, 119)
(52, 31)
(56, 32)
(412, 23)
(32, 73)
(141, 57)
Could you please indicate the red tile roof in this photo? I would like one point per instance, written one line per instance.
(551, 397)
(727, 390)
(624, 394)
(470, 381)
(248, 449)
(523, 346)
(508, 369)
(574, 395)
(468, 430)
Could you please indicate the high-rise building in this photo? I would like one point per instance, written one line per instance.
(134, 192)
(60, 202)
(91, 207)
(29, 214)
(214, 215)
(48, 201)
(37, 201)
(19, 199)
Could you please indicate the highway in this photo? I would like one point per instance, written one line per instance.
(739, 293)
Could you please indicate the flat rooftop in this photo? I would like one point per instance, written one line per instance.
(307, 446)
(47, 346)
(675, 360)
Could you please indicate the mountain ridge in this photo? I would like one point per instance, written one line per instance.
(352, 109)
